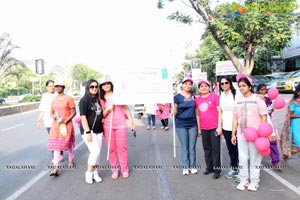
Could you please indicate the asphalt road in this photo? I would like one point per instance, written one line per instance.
(25, 160)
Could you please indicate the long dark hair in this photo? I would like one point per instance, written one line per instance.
(95, 98)
(297, 89)
(246, 80)
(232, 89)
(102, 92)
(260, 86)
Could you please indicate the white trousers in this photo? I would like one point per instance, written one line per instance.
(248, 151)
(94, 148)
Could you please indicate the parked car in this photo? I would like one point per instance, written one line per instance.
(275, 77)
(296, 82)
(2, 101)
(259, 79)
(287, 84)
(22, 96)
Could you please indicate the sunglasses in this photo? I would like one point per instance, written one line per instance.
(224, 83)
(93, 86)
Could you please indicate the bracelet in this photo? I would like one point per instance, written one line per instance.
(87, 132)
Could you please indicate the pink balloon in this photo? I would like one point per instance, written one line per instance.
(250, 134)
(279, 103)
(273, 93)
(262, 144)
(265, 153)
(265, 130)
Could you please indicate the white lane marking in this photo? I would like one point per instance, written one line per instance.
(283, 181)
(33, 181)
(5, 129)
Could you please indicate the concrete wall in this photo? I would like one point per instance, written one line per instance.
(9, 110)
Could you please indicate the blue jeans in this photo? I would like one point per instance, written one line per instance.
(151, 119)
(188, 140)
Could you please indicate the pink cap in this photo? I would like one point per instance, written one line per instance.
(241, 75)
(187, 79)
(105, 79)
(203, 81)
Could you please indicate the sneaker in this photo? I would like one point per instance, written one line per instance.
(253, 187)
(242, 185)
(89, 177)
(153, 127)
(115, 175)
(166, 128)
(231, 173)
(185, 172)
(148, 127)
(162, 127)
(238, 178)
(125, 174)
(96, 177)
(194, 171)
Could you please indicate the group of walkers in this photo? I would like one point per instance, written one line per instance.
(229, 112)
(209, 116)
(99, 118)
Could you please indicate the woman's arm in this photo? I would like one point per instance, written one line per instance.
(198, 122)
(130, 118)
(219, 129)
(292, 115)
(234, 128)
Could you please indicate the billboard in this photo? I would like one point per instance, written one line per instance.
(227, 68)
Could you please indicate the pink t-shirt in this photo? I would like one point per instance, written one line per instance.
(207, 108)
(249, 111)
(119, 116)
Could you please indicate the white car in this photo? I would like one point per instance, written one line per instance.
(296, 82)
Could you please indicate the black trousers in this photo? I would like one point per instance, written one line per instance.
(164, 122)
(212, 150)
(232, 150)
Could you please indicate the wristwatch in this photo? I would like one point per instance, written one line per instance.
(87, 132)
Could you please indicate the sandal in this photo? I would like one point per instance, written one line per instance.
(54, 172)
(71, 165)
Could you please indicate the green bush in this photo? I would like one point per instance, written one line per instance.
(31, 99)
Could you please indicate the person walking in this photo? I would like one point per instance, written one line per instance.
(186, 126)
(91, 128)
(249, 111)
(162, 114)
(227, 98)
(262, 90)
(114, 122)
(44, 108)
(209, 118)
(61, 137)
(290, 137)
(150, 110)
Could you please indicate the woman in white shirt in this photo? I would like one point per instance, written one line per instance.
(227, 98)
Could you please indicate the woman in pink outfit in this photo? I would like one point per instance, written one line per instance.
(118, 141)
(163, 114)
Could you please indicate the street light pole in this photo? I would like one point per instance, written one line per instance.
(39, 69)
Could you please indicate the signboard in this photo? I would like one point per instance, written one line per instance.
(196, 64)
(227, 68)
(198, 75)
(142, 86)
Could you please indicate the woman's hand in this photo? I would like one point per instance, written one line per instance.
(219, 131)
(89, 137)
(199, 133)
(233, 139)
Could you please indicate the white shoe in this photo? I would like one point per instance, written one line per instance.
(185, 172)
(242, 185)
(194, 171)
(89, 177)
(96, 177)
(253, 187)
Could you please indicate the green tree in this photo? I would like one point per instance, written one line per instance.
(6, 58)
(82, 73)
(242, 36)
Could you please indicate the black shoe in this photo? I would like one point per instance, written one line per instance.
(216, 176)
(207, 172)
